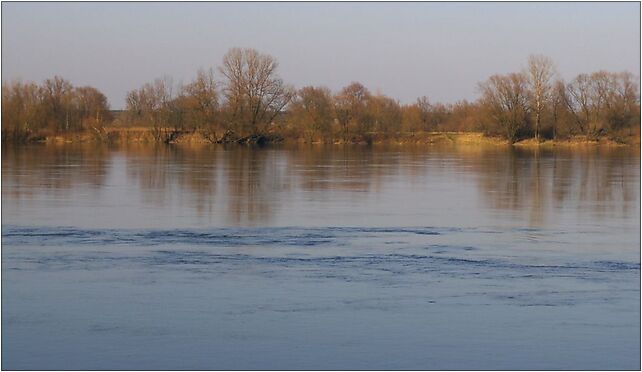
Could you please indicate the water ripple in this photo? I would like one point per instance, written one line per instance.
(52, 236)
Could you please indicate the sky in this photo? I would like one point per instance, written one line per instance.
(404, 50)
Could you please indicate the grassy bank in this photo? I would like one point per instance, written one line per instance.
(144, 135)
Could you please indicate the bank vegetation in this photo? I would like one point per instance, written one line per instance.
(250, 103)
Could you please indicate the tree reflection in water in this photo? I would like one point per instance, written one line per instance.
(250, 186)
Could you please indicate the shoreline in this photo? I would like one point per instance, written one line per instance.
(141, 135)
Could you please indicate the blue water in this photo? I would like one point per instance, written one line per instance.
(510, 275)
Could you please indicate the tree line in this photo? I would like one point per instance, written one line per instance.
(251, 102)
(30, 110)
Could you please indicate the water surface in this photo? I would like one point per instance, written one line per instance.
(320, 258)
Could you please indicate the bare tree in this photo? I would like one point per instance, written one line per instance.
(558, 99)
(621, 101)
(200, 101)
(312, 111)
(22, 110)
(540, 72)
(350, 108)
(425, 107)
(602, 101)
(385, 113)
(416, 116)
(145, 105)
(57, 95)
(154, 105)
(92, 107)
(506, 96)
(255, 93)
(579, 101)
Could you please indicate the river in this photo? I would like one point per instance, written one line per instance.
(313, 257)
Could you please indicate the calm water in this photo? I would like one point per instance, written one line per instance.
(320, 258)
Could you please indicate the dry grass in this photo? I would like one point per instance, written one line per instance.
(576, 141)
(143, 135)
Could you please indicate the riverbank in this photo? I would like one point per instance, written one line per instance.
(142, 135)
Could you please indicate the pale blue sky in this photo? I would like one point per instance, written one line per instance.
(405, 50)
